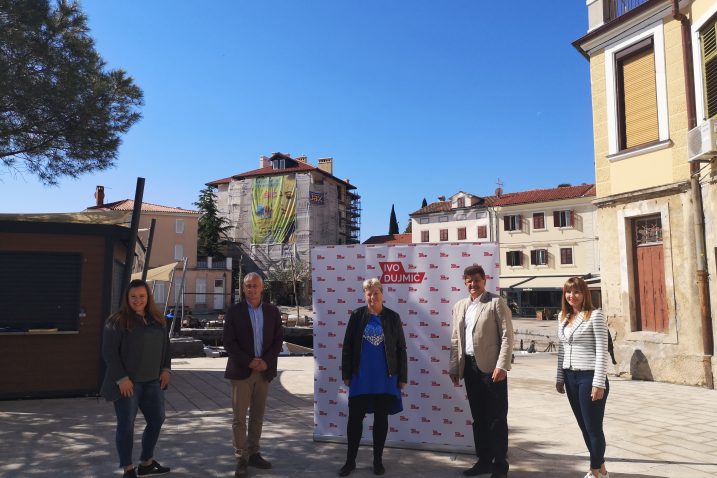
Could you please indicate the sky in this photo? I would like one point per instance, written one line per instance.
(413, 99)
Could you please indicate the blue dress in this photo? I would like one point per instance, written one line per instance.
(372, 377)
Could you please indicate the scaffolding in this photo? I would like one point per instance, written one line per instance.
(353, 218)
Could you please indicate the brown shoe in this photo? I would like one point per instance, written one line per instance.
(242, 471)
(257, 461)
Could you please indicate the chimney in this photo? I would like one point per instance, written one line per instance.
(499, 192)
(264, 162)
(100, 195)
(301, 159)
(441, 198)
(326, 165)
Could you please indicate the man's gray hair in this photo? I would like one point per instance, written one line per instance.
(372, 282)
(252, 276)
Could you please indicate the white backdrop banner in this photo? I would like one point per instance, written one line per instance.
(421, 282)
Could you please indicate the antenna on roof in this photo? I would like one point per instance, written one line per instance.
(499, 189)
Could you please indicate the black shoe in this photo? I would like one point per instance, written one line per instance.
(347, 469)
(130, 473)
(478, 469)
(153, 469)
(257, 461)
(242, 469)
(499, 474)
(378, 468)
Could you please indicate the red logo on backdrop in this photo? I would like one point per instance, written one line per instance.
(370, 267)
(447, 397)
(320, 258)
(393, 430)
(425, 420)
(321, 279)
(425, 395)
(394, 273)
(434, 360)
(465, 254)
(341, 322)
(360, 278)
(380, 256)
(445, 324)
(415, 407)
(333, 402)
(412, 289)
(321, 301)
(333, 425)
(458, 409)
(321, 323)
(340, 279)
(415, 432)
(331, 312)
(423, 347)
(434, 312)
(413, 359)
(321, 367)
(413, 383)
(332, 334)
(391, 289)
(445, 347)
(332, 357)
(403, 419)
(329, 289)
(455, 266)
(487, 254)
(350, 289)
(455, 289)
(341, 301)
(411, 266)
(433, 289)
(412, 312)
(339, 256)
(444, 300)
(401, 255)
(444, 277)
(435, 336)
(322, 390)
(447, 422)
(330, 268)
(488, 277)
(343, 414)
(423, 324)
(332, 380)
(411, 335)
(401, 301)
(342, 391)
(424, 371)
(443, 254)
(323, 413)
(437, 433)
(359, 301)
(421, 254)
(459, 435)
(433, 266)
(350, 268)
(422, 301)
(360, 256)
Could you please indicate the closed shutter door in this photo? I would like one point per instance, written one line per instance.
(640, 95)
(708, 37)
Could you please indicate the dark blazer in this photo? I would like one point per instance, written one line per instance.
(239, 340)
(122, 352)
(394, 342)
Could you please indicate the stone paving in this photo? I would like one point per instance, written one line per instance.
(653, 430)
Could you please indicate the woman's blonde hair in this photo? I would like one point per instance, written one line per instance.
(576, 283)
(372, 282)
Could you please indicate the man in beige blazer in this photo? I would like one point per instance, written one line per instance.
(483, 363)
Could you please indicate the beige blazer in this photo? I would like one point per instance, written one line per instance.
(492, 335)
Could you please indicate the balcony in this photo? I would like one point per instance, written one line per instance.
(617, 8)
(211, 263)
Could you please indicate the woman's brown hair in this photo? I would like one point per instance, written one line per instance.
(125, 316)
(576, 283)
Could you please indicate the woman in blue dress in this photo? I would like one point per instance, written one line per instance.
(374, 367)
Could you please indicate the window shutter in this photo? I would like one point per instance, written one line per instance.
(572, 218)
(520, 222)
(640, 99)
(533, 257)
(708, 38)
(556, 218)
(519, 256)
(506, 223)
(508, 258)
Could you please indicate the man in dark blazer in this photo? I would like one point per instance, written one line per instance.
(252, 338)
(481, 350)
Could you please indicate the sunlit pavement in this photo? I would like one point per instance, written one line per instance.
(652, 429)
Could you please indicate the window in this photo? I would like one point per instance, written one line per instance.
(53, 279)
(425, 236)
(514, 258)
(563, 218)
(566, 255)
(708, 40)
(444, 234)
(637, 95)
(158, 293)
(461, 233)
(443, 219)
(482, 232)
(178, 252)
(201, 297)
(512, 223)
(179, 226)
(539, 257)
(539, 220)
(423, 220)
(461, 202)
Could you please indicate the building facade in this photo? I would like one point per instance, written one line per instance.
(652, 80)
(463, 217)
(277, 212)
(207, 282)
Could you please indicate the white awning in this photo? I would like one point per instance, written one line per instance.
(537, 282)
(163, 273)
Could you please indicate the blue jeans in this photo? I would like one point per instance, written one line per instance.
(589, 414)
(149, 398)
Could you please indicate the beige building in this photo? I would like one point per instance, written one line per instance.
(545, 236)
(207, 282)
(653, 80)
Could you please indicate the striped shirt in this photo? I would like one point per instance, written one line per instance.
(583, 346)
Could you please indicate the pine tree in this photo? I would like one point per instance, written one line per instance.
(212, 227)
(393, 223)
(424, 203)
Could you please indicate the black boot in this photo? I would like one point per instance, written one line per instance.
(378, 468)
(348, 467)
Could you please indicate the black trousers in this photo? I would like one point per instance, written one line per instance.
(489, 406)
(358, 407)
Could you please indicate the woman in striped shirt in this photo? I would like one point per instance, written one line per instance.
(582, 364)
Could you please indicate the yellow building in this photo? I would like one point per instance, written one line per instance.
(654, 80)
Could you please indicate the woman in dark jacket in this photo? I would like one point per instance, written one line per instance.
(374, 367)
(135, 348)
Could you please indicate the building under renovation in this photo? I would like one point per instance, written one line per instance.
(277, 212)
